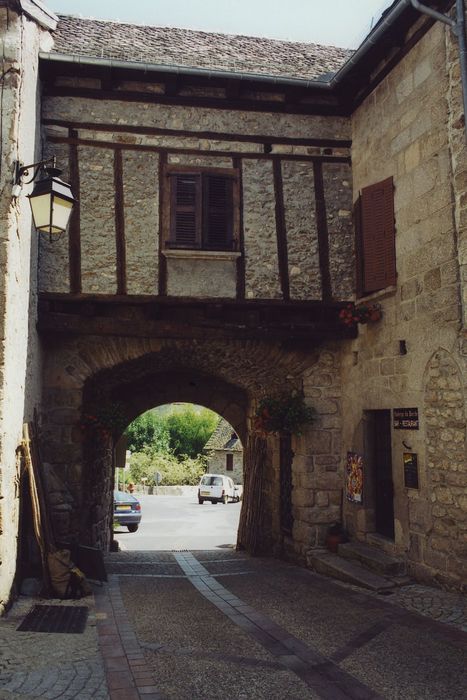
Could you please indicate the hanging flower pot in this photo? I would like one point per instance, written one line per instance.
(350, 315)
(286, 413)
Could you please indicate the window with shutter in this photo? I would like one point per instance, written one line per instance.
(375, 238)
(229, 463)
(186, 211)
(201, 212)
(217, 213)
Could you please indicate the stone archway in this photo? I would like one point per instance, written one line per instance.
(141, 373)
(446, 546)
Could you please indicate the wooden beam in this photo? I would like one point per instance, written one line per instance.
(327, 107)
(237, 164)
(74, 231)
(323, 233)
(163, 226)
(205, 135)
(120, 223)
(281, 231)
(199, 152)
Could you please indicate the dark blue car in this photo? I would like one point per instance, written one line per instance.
(127, 510)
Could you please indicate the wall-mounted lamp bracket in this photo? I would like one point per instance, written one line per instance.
(51, 199)
(47, 166)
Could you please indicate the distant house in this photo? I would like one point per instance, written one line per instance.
(225, 452)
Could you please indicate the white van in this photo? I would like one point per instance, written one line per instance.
(217, 487)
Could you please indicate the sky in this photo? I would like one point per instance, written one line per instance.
(333, 22)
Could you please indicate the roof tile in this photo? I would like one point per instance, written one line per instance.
(195, 49)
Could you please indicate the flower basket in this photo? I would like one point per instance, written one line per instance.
(106, 419)
(363, 313)
(282, 414)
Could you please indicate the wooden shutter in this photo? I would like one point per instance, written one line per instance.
(217, 212)
(229, 463)
(378, 236)
(357, 221)
(185, 222)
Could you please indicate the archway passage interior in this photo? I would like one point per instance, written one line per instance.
(225, 377)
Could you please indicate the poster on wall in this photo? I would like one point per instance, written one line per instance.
(354, 477)
(410, 470)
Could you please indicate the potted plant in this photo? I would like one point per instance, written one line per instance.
(335, 536)
(350, 315)
(285, 413)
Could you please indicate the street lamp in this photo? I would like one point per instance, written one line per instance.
(51, 199)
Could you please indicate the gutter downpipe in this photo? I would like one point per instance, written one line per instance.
(458, 27)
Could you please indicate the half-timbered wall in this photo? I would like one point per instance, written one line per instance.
(294, 201)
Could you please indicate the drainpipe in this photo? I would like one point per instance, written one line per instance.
(458, 27)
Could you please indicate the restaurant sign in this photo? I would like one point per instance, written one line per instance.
(405, 418)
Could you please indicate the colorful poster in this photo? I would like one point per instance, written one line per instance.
(354, 480)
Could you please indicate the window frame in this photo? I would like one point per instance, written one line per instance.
(168, 208)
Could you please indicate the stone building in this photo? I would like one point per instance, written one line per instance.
(230, 209)
(225, 452)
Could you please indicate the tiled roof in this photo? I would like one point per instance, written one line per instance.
(224, 438)
(195, 49)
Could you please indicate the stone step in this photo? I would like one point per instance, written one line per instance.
(348, 571)
(373, 559)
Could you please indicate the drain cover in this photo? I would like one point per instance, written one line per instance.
(68, 619)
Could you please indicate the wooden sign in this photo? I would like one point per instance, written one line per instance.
(410, 470)
(405, 418)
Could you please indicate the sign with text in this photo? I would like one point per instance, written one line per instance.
(410, 470)
(405, 418)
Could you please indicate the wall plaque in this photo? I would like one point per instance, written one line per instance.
(405, 418)
(410, 470)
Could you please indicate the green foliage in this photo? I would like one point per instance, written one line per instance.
(182, 430)
(148, 430)
(285, 413)
(175, 472)
(190, 430)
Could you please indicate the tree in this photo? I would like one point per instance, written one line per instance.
(148, 430)
(189, 430)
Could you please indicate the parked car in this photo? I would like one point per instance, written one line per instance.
(217, 487)
(127, 510)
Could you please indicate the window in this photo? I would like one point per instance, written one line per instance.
(375, 238)
(201, 210)
(229, 463)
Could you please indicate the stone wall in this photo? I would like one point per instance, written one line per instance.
(194, 275)
(19, 348)
(404, 129)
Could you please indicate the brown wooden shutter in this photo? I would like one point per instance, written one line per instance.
(229, 463)
(217, 212)
(378, 236)
(185, 228)
(357, 220)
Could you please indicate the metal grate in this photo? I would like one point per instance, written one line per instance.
(67, 619)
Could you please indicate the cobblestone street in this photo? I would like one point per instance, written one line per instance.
(219, 624)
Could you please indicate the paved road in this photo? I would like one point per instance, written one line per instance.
(179, 522)
(221, 625)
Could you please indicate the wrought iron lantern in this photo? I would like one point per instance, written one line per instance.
(51, 199)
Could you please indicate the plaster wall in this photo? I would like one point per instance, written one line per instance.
(218, 461)
(404, 129)
(19, 348)
(189, 276)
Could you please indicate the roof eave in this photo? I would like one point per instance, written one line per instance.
(259, 78)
